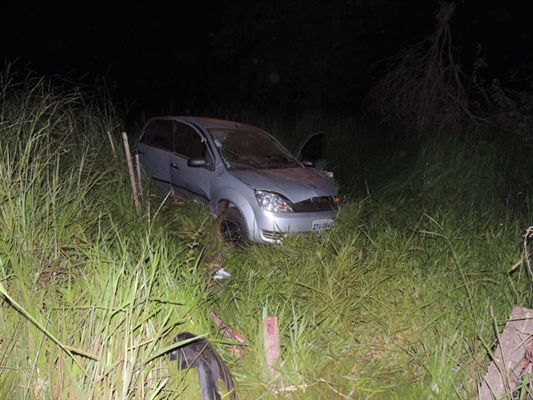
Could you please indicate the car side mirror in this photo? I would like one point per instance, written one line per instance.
(197, 162)
(308, 163)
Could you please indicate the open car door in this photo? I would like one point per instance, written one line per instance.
(312, 152)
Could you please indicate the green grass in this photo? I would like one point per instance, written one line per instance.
(403, 299)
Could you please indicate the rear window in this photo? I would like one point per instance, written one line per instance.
(159, 134)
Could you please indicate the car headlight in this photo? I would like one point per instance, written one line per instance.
(269, 201)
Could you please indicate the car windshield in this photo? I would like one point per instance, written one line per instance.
(251, 149)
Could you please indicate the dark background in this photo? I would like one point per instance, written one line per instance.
(284, 56)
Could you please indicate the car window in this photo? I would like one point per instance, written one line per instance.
(159, 134)
(188, 143)
(251, 149)
(314, 148)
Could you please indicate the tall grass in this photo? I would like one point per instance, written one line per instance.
(87, 306)
(403, 299)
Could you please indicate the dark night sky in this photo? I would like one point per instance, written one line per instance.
(158, 54)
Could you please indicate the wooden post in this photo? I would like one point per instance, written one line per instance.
(130, 169)
(139, 177)
(509, 358)
(112, 143)
(271, 346)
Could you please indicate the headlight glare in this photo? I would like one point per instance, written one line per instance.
(272, 202)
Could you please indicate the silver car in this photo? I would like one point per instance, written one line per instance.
(255, 187)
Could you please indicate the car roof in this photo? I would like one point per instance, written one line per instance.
(209, 122)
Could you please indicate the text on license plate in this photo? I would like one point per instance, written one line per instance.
(321, 224)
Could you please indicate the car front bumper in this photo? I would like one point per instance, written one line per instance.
(270, 227)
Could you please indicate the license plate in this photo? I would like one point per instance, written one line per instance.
(322, 224)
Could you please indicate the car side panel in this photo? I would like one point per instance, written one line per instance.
(155, 162)
(244, 200)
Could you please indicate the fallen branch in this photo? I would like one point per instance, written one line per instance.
(229, 333)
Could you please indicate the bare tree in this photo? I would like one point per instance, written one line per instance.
(424, 84)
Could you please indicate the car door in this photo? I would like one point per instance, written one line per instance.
(193, 182)
(154, 147)
(313, 150)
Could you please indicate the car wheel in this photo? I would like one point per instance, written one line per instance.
(232, 228)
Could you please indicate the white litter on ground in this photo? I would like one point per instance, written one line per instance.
(221, 274)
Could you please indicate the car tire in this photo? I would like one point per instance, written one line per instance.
(232, 228)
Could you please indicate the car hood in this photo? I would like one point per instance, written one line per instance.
(296, 184)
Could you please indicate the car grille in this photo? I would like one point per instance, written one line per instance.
(272, 235)
(316, 204)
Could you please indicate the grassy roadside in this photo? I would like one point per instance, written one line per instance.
(403, 299)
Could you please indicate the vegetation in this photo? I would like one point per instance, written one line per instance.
(424, 86)
(403, 299)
